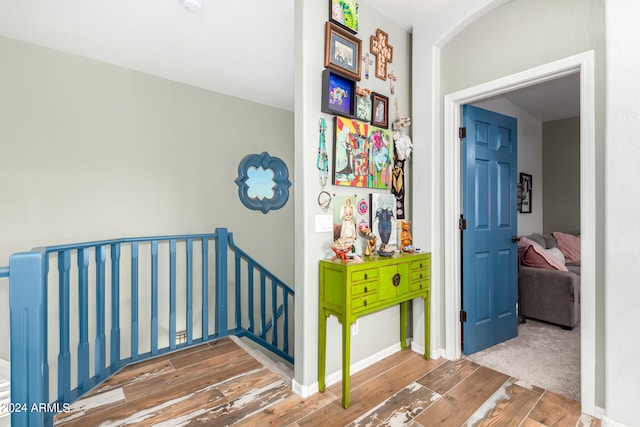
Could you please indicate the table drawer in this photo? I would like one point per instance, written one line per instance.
(419, 275)
(363, 301)
(420, 264)
(364, 288)
(419, 285)
(370, 274)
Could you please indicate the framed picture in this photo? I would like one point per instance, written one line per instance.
(338, 94)
(379, 110)
(526, 184)
(383, 219)
(380, 157)
(363, 107)
(344, 13)
(362, 155)
(342, 51)
(351, 153)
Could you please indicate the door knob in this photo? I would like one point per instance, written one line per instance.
(515, 239)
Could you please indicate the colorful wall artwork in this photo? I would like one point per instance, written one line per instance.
(345, 13)
(362, 155)
(383, 219)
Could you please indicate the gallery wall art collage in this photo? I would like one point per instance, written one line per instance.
(367, 151)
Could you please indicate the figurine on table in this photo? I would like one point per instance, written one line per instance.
(406, 241)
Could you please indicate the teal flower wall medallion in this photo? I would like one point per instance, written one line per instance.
(263, 182)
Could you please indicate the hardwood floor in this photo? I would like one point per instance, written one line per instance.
(220, 384)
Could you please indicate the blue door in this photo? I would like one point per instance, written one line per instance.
(489, 250)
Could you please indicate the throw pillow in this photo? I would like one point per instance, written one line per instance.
(558, 254)
(537, 256)
(569, 245)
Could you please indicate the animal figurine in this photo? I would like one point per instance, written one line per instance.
(406, 241)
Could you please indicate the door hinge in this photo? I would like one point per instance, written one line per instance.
(462, 223)
(463, 316)
(462, 132)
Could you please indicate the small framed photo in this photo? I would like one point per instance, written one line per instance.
(379, 110)
(344, 13)
(338, 94)
(363, 105)
(342, 51)
(526, 185)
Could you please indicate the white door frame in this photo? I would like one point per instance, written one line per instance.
(584, 65)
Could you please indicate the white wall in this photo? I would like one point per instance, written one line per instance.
(529, 158)
(378, 331)
(623, 201)
(514, 36)
(91, 151)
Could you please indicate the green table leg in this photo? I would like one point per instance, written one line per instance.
(346, 362)
(403, 325)
(322, 350)
(427, 334)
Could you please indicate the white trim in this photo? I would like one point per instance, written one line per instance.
(584, 64)
(5, 369)
(608, 422)
(306, 391)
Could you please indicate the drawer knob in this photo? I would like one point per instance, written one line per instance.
(365, 302)
(421, 275)
(365, 276)
(396, 279)
(365, 290)
(420, 265)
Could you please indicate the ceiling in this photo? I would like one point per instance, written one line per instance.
(216, 48)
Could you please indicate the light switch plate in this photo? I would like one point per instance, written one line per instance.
(324, 223)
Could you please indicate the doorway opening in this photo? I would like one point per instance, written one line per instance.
(582, 64)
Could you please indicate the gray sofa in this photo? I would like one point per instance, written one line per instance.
(552, 296)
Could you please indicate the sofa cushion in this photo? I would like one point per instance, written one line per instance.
(558, 254)
(569, 245)
(536, 256)
(538, 238)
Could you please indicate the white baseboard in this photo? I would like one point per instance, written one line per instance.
(5, 369)
(305, 391)
(608, 422)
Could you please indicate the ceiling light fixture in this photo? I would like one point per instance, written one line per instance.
(192, 5)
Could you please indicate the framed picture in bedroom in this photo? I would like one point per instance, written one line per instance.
(379, 110)
(342, 51)
(526, 183)
(345, 14)
(338, 94)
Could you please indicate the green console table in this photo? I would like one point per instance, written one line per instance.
(349, 290)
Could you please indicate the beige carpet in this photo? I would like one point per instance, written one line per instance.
(543, 355)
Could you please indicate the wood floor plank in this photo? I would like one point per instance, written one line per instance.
(506, 407)
(399, 409)
(216, 368)
(460, 403)
(246, 405)
(444, 377)
(528, 422)
(218, 349)
(388, 363)
(368, 395)
(289, 410)
(556, 410)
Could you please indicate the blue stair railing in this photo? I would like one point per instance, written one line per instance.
(114, 302)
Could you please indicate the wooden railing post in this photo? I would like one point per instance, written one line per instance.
(27, 302)
(221, 281)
